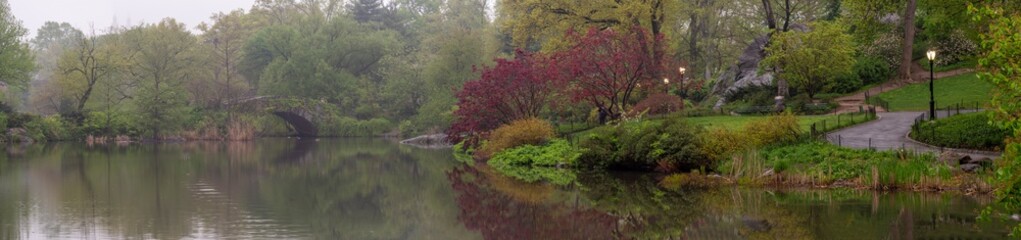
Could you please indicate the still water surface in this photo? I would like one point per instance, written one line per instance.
(376, 189)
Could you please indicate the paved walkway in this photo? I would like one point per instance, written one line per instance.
(890, 131)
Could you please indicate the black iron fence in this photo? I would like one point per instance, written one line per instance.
(840, 121)
(878, 144)
(876, 101)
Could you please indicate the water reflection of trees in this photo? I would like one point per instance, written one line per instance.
(497, 215)
(287, 189)
(605, 206)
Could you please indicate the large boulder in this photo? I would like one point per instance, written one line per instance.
(19, 135)
(952, 158)
(970, 168)
(984, 162)
(747, 71)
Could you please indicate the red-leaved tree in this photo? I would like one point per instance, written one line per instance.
(605, 67)
(514, 89)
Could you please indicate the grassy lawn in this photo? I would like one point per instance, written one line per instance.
(738, 122)
(965, 88)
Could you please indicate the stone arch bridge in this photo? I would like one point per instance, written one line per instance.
(303, 115)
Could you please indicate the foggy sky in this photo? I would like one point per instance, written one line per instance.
(83, 14)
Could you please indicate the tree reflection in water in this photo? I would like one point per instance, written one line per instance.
(632, 206)
(497, 215)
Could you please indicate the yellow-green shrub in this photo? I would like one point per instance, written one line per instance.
(530, 131)
(720, 144)
(777, 129)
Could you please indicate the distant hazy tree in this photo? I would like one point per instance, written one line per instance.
(48, 46)
(16, 62)
(227, 36)
(52, 38)
(367, 10)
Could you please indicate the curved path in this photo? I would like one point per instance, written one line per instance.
(888, 132)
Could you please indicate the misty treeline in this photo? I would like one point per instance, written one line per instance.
(394, 62)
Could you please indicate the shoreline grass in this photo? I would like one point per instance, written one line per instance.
(823, 165)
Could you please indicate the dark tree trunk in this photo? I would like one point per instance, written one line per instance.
(693, 36)
(787, 15)
(767, 6)
(909, 40)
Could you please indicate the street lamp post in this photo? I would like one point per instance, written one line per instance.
(684, 90)
(931, 54)
(666, 84)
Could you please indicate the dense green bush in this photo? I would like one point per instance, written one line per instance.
(846, 84)
(350, 127)
(531, 163)
(667, 146)
(52, 128)
(19, 120)
(970, 131)
(109, 123)
(867, 70)
(872, 70)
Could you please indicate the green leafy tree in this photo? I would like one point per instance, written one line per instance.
(869, 18)
(811, 61)
(15, 55)
(164, 60)
(544, 22)
(941, 18)
(460, 42)
(1001, 45)
(89, 61)
(333, 59)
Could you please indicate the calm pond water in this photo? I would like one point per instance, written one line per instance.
(375, 189)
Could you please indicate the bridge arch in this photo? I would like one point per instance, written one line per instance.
(302, 115)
